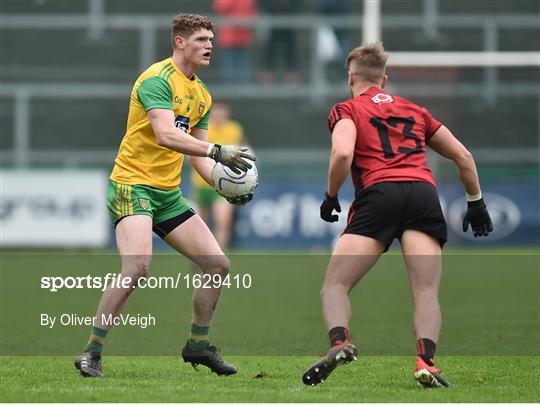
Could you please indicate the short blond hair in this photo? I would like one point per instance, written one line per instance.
(368, 61)
(186, 24)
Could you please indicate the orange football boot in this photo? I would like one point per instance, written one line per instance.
(429, 376)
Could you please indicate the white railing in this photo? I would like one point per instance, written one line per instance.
(316, 90)
(147, 25)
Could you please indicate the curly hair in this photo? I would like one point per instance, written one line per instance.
(186, 24)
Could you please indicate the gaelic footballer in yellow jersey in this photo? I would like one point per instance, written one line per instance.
(168, 118)
(140, 159)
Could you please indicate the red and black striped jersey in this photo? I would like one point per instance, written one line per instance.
(391, 137)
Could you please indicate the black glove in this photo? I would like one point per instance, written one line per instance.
(478, 216)
(239, 200)
(328, 205)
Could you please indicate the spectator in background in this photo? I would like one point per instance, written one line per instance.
(235, 41)
(281, 48)
(336, 8)
(333, 8)
(221, 130)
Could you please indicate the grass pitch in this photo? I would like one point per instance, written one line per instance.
(268, 379)
(273, 330)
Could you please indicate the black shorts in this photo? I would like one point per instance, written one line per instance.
(385, 210)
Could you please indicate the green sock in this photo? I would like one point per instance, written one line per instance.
(97, 340)
(199, 338)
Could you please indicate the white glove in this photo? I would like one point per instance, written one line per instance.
(234, 157)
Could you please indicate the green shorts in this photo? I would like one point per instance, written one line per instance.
(204, 197)
(137, 199)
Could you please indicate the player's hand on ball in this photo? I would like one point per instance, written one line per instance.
(234, 157)
(328, 205)
(240, 199)
(478, 216)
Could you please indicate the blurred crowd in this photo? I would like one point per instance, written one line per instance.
(279, 57)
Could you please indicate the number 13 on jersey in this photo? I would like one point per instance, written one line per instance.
(406, 124)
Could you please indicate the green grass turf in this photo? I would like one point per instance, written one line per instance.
(491, 299)
(489, 344)
(166, 379)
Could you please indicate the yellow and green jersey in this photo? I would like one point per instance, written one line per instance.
(140, 159)
(230, 133)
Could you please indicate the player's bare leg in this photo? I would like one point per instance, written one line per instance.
(194, 240)
(422, 255)
(352, 258)
(204, 213)
(223, 213)
(134, 241)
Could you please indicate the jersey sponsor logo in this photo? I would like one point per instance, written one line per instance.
(143, 203)
(182, 122)
(178, 100)
(382, 98)
(202, 106)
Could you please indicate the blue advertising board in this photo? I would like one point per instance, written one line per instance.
(284, 215)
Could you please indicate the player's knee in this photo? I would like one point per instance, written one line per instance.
(331, 289)
(426, 296)
(325, 292)
(138, 270)
(426, 293)
(141, 270)
(426, 287)
(220, 265)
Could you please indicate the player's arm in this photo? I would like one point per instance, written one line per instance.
(155, 95)
(341, 156)
(203, 165)
(445, 144)
(171, 137)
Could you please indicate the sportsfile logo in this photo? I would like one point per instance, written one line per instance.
(113, 280)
